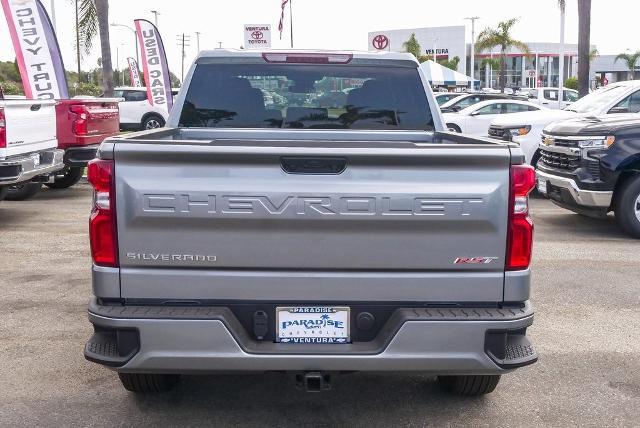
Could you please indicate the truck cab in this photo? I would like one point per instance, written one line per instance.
(592, 166)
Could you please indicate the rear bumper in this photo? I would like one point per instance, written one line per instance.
(21, 168)
(210, 339)
(81, 155)
(571, 195)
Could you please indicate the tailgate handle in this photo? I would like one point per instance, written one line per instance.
(313, 165)
(35, 107)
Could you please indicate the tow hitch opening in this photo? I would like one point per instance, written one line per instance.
(314, 381)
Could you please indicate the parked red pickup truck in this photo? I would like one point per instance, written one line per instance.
(82, 124)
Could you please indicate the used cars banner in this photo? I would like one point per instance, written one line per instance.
(154, 65)
(36, 48)
(134, 73)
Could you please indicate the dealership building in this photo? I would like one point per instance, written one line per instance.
(539, 68)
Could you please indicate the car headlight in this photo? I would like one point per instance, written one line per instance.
(520, 131)
(597, 143)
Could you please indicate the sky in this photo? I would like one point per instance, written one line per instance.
(333, 24)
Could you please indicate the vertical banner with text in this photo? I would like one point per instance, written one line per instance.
(134, 74)
(36, 48)
(154, 65)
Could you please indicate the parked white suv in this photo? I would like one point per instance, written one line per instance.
(548, 97)
(136, 112)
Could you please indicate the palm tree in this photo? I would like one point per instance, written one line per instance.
(562, 4)
(413, 47)
(94, 19)
(450, 63)
(500, 37)
(630, 60)
(585, 54)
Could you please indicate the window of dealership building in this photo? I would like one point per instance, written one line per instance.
(539, 68)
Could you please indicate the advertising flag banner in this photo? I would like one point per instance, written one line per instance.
(134, 73)
(36, 48)
(281, 23)
(154, 65)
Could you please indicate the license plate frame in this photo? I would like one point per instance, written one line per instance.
(313, 324)
(542, 186)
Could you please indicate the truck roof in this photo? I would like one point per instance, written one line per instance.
(256, 53)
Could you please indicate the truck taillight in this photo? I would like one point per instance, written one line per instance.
(80, 119)
(102, 223)
(3, 130)
(520, 228)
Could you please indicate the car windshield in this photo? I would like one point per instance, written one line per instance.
(598, 99)
(306, 97)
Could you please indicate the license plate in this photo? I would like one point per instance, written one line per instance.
(312, 324)
(35, 157)
(542, 186)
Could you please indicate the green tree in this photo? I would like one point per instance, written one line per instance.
(94, 20)
(450, 63)
(630, 60)
(501, 38)
(413, 47)
(585, 54)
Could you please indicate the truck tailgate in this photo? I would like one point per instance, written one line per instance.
(30, 126)
(254, 220)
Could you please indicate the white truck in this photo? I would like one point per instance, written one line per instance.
(548, 97)
(28, 146)
(526, 128)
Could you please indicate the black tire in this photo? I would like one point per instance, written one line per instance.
(22, 191)
(469, 386)
(454, 128)
(3, 192)
(152, 121)
(627, 206)
(147, 383)
(68, 177)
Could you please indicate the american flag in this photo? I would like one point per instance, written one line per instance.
(281, 24)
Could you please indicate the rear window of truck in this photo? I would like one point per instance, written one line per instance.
(306, 97)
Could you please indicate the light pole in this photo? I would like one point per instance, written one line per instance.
(435, 55)
(198, 40)
(155, 14)
(473, 47)
(135, 36)
(53, 15)
(561, 56)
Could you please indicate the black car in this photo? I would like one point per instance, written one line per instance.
(592, 166)
(466, 100)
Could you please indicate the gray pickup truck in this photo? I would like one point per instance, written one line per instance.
(305, 212)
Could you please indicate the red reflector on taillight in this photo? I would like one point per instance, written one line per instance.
(520, 228)
(3, 130)
(307, 58)
(81, 116)
(102, 223)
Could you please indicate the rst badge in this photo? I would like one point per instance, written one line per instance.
(304, 324)
(474, 260)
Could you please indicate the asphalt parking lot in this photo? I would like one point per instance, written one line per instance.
(587, 332)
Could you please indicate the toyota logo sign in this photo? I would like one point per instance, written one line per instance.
(257, 35)
(380, 42)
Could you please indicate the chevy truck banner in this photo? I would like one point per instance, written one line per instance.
(37, 50)
(134, 73)
(154, 65)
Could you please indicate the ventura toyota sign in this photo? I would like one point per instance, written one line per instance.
(257, 36)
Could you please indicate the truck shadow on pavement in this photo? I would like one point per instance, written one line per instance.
(272, 399)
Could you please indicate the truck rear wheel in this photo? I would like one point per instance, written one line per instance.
(627, 206)
(3, 192)
(469, 386)
(22, 191)
(145, 383)
(68, 177)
